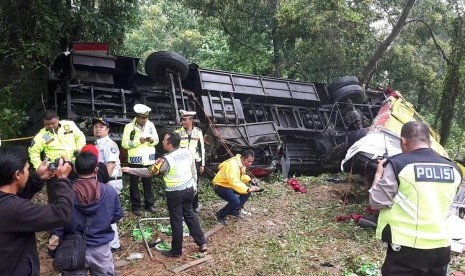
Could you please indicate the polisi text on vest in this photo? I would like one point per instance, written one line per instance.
(436, 173)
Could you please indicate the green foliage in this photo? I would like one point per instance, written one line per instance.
(45, 27)
(32, 33)
(12, 115)
(362, 266)
(458, 263)
(164, 25)
(455, 144)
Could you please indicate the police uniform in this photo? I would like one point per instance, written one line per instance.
(140, 155)
(194, 142)
(109, 152)
(179, 181)
(179, 176)
(64, 142)
(417, 190)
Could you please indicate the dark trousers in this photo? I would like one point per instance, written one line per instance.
(195, 202)
(179, 207)
(134, 193)
(412, 262)
(235, 201)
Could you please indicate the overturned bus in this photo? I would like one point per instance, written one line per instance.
(294, 126)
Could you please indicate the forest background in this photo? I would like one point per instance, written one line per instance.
(415, 47)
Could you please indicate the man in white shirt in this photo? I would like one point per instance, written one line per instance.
(109, 155)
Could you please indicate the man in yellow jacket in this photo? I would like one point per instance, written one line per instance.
(140, 138)
(230, 184)
(57, 139)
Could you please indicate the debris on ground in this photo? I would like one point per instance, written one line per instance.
(135, 256)
(295, 184)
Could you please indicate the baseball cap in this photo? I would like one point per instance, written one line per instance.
(90, 148)
(100, 120)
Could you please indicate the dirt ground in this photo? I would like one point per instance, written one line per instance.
(284, 233)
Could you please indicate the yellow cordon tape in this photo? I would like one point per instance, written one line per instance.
(15, 139)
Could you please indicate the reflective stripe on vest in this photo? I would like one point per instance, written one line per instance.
(143, 154)
(180, 162)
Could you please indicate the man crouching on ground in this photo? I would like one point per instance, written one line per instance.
(180, 177)
(230, 184)
(100, 202)
(21, 218)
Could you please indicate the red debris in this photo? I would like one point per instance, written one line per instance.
(371, 211)
(343, 217)
(355, 217)
(295, 184)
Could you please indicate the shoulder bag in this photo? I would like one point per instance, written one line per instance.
(70, 254)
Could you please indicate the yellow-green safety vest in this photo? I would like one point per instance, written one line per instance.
(192, 143)
(65, 142)
(180, 164)
(142, 154)
(419, 211)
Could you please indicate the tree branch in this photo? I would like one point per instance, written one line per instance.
(367, 72)
(441, 51)
(235, 38)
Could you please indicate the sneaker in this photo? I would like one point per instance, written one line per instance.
(169, 254)
(115, 249)
(220, 219)
(238, 215)
(203, 248)
(137, 212)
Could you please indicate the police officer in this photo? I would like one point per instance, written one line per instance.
(140, 138)
(414, 191)
(192, 139)
(58, 138)
(109, 155)
(179, 175)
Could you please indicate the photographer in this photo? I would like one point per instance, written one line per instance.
(20, 217)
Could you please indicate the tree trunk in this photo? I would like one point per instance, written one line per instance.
(453, 82)
(277, 44)
(450, 93)
(367, 72)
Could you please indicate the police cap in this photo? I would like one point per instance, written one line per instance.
(100, 120)
(185, 113)
(142, 110)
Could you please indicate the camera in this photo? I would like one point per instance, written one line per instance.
(53, 166)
